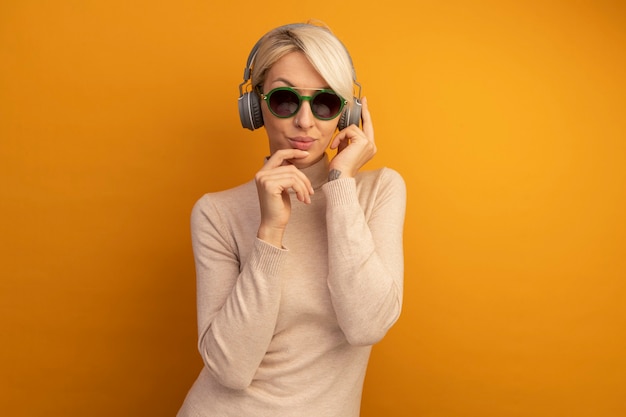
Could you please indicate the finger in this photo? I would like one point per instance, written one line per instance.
(283, 155)
(301, 188)
(337, 139)
(341, 139)
(343, 144)
(346, 136)
(281, 178)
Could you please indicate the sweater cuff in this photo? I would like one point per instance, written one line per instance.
(267, 258)
(341, 191)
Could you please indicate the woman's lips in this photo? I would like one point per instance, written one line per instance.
(301, 143)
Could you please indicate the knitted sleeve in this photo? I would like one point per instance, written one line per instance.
(237, 304)
(366, 263)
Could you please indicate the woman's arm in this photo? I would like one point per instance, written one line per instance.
(366, 263)
(237, 304)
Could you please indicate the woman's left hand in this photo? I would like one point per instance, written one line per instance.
(354, 146)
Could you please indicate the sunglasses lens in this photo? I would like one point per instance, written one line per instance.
(326, 105)
(284, 103)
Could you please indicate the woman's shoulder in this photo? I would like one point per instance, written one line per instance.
(230, 199)
(384, 175)
(383, 184)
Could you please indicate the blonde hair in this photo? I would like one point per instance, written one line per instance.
(321, 47)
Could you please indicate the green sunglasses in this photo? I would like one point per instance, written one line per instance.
(284, 102)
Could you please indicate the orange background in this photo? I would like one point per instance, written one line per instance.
(506, 119)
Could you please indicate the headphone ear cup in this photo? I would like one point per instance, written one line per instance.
(350, 116)
(250, 111)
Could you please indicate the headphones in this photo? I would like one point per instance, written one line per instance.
(250, 103)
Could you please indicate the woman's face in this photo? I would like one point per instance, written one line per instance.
(302, 131)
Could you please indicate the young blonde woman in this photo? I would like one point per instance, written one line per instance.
(299, 271)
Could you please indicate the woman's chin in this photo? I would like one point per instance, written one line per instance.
(308, 161)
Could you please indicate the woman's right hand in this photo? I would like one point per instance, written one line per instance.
(273, 183)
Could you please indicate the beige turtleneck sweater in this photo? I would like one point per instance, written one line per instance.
(287, 332)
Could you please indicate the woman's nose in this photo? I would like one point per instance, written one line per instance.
(304, 117)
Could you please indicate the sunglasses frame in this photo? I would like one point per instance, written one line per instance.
(301, 99)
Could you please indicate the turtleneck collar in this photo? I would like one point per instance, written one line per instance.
(318, 172)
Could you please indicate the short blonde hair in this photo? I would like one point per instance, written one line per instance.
(321, 47)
